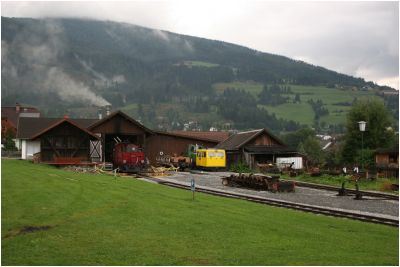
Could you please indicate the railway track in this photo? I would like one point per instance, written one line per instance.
(349, 191)
(279, 203)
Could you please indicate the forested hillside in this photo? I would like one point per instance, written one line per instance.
(166, 80)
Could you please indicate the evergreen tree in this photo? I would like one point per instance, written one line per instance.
(9, 144)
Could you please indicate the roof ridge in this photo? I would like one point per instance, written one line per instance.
(252, 131)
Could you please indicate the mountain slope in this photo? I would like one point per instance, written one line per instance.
(68, 65)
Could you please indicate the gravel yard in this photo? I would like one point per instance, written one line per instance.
(302, 195)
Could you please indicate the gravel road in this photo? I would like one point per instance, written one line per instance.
(301, 195)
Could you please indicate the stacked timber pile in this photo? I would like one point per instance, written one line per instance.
(81, 169)
(159, 171)
(259, 182)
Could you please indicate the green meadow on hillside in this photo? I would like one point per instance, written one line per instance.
(55, 217)
(337, 101)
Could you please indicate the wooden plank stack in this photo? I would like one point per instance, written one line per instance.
(259, 182)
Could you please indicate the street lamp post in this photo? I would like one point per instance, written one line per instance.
(361, 125)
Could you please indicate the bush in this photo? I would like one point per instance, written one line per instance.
(240, 167)
(386, 186)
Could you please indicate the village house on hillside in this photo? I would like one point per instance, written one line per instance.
(10, 117)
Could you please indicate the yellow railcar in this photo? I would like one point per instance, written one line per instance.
(210, 158)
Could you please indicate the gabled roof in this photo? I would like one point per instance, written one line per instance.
(12, 115)
(215, 136)
(237, 141)
(29, 127)
(118, 112)
(195, 138)
(57, 123)
(392, 150)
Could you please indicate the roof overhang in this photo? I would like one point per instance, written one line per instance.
(118, 112)
(269, 150)
(59, 123)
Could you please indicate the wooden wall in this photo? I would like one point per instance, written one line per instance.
(263, 140)
(64, 141)
(170, 145)
(382, 159)
(118, 125)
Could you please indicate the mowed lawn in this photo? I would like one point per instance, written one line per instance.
(99, 220)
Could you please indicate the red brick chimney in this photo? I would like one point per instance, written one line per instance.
(66, 116)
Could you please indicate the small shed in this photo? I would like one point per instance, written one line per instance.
(64, 142)
(387, 161)
(29, 127)
(252, 147)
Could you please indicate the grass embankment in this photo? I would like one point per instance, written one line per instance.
(99, 220)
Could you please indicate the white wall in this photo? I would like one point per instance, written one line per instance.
(23, 149)
(29, 148)
(298, 162)
(18, 143)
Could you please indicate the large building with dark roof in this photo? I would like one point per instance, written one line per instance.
(115, 126)
(48, 137)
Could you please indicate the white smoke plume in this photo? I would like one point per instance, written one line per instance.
(100, 79)
(118, 79)
(8, 68)
(188, 46)
(42, 56)
(161, 34)
(71, 90)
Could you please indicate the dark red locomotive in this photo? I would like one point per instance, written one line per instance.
(128, 157)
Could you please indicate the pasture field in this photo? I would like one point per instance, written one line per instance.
(298, 112)
(55, 217)
(337, 101)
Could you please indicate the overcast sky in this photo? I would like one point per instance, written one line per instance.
(356, 38)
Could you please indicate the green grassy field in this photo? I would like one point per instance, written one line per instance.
(332, 98)
(99, 220)
(298, 112)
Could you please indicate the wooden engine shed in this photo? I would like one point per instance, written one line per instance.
(118, 127)
(65, 142)
(163, 143)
